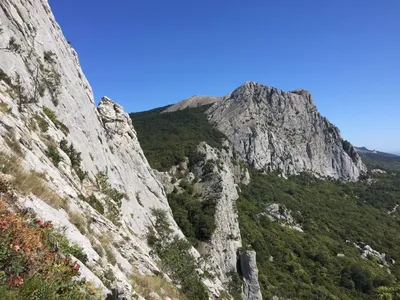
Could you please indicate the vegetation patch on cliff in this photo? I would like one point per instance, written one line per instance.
(176, 258)
(194, 217)
(167, 138)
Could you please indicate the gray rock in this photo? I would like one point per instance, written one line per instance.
(104, 136)
(367, 251)
(117, 294)
(192, 102)
(273, 130)
(279, 212)
(220, 185)
(248, 265)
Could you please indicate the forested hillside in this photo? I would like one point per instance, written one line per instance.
(381, 160)
(323, 261)
(167, 138)
(314, 238)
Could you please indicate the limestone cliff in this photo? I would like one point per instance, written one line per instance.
(220, 183)
(273, 130)
(89, 157)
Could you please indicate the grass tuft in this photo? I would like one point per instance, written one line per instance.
(27, 182)
(13, 143)
(78, 221)
(146, 284)
(4, 108)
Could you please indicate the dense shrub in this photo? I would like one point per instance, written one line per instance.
(176, 258)
(75, 158)
(113, 196)
(31, 266)
(194, 217)
(95, 203)
(167, 138)
(381, 160)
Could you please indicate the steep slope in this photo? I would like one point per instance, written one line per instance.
(102, 189)
(280, 131)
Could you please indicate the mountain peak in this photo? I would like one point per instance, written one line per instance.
(274, 130)
(192, 102)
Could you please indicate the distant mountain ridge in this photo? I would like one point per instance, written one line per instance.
(377, 159)
(366, 150)
(192, 102)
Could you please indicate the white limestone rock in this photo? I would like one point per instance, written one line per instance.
(367, 251)
(279, 212)
(273, 130)
(220, 183)
(104, 136)
(249, 269)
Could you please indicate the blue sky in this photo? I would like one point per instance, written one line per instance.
(145, 54)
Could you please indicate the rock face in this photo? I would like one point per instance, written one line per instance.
(219, 183)
(47, 105)
(273, 130)
(248, 265)
(192, 102)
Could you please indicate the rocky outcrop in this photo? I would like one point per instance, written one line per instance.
(273, 130)
(192, 102)
(249, 270)
(368, 252)
(278, 212)
(219, 183)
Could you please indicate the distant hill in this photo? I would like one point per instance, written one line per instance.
(376, 159)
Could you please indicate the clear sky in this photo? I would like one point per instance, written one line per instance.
(150, 53)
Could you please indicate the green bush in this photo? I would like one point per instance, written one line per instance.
(75, 158)
(113, 197)
(42, 123)
(194, 217)
(52, 116)
(54, 155)
(14, 46)
(176, 258)
(34, 261)
(49, 56)
(95, 203)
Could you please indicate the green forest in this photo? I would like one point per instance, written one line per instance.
(322, 262)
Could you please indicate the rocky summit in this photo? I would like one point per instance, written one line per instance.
(250, 196)
(273, 130)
